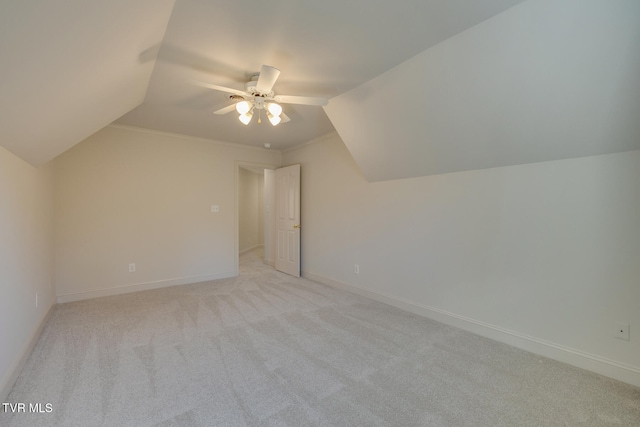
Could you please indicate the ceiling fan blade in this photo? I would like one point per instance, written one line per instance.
(284, 118)
(221, 88)
(267, 78)
(226, 109)
(302, 100)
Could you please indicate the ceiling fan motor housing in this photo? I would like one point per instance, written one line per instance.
(250, 87)
(258, 102)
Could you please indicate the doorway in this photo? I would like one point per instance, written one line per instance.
(255, 210)
(268, 214)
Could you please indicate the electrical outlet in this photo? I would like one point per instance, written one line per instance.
(356, 269)
(622, 331)
(132, 268)
(215, 208)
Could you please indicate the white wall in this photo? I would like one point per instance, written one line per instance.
(269, 216)
(26, 259)
(127, 195)
(546, 253)
(261, 209)
(502, 93)
(250, 209)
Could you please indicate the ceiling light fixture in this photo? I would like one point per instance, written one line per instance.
(243, 107)
(274, 109)
(246, 108)
(273, 119)
(258, 95)
(246, 117)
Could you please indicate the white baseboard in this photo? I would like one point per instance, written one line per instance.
(249, 249)
(140, 287)
(15, 370)
(600, 365)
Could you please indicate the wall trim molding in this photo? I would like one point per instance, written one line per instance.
(250, 249)
(137, 287)
(16, 368)
(186, 137)
(590, 362)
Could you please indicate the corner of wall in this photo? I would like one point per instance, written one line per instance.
(14, 372)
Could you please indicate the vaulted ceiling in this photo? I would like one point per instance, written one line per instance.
(322, 48)
(416, 87)
(545, 80)
(71, 67)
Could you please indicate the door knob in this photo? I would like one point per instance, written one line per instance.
(297, 226)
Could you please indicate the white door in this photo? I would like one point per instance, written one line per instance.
(288, 220)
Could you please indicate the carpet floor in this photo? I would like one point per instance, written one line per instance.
(267, 349)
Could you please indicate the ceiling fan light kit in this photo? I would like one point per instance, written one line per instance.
(246, 117)
(243, 107)
(273, 119)
(258, 95)
(274, 109)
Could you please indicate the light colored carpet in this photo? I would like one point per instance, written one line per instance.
(266, 349)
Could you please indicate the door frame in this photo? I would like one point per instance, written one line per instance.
(236, 217)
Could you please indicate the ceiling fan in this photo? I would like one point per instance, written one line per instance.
(258, 95)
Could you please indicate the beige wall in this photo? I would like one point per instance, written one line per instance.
(261, 209)
(543, 256)
(127, 195)
(26, 258)
(250, 209)
(269, 216)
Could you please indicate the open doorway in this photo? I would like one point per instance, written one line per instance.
(255, 211)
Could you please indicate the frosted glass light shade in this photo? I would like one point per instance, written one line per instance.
(243, 107)
(274, 109)
(274, 119)
(245, 118)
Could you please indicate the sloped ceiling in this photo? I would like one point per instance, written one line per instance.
(417, 87)
(323, 48)
(545, 80)
(70, 67)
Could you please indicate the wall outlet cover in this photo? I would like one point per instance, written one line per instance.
(622, 331)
